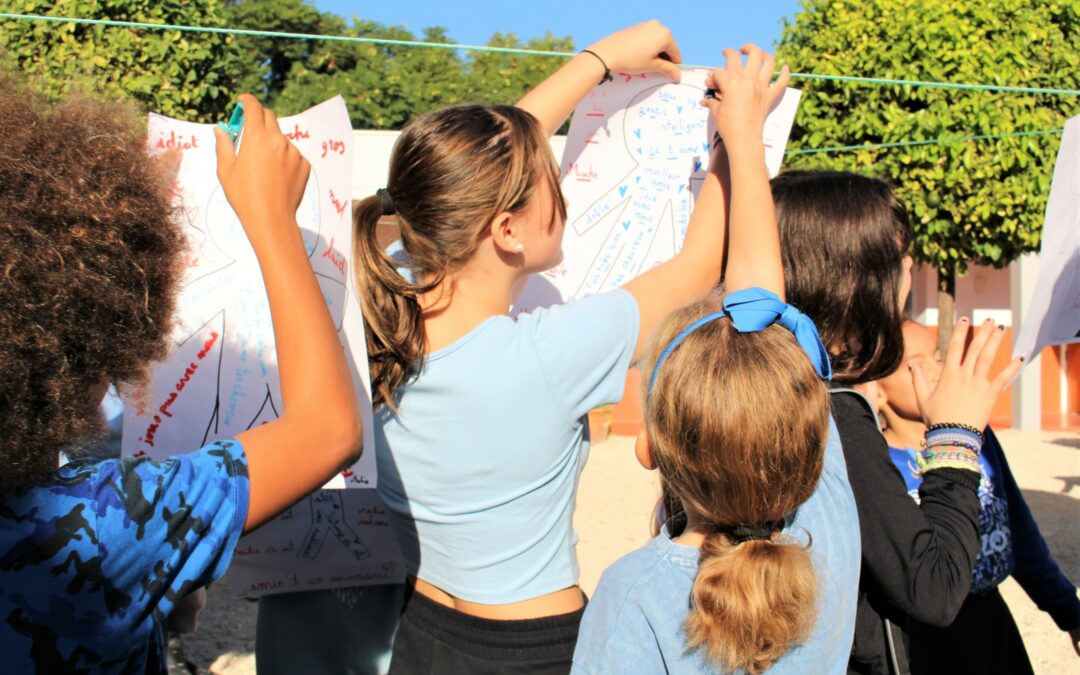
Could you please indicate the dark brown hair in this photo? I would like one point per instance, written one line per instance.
(90, 257)
(733, 450)
(451, 172)
(843, 238)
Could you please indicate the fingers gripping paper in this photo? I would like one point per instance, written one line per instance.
(636, 156)
(222, 379)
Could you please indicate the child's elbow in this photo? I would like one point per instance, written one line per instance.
(348, 439)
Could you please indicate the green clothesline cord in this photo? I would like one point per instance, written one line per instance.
(509, 50)
(908, 144)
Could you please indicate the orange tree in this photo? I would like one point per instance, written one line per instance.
(973, 202)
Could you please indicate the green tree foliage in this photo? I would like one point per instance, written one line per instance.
(267, 61)
(972, 202)
(496, 77)
(383, 85)
(386, 85)
(180, 74)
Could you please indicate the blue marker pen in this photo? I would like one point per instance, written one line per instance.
(235, 124)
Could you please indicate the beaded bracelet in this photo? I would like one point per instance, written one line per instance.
(947, 457)
(968, 443)
(955, 425)
(933, 437)
(607, 71)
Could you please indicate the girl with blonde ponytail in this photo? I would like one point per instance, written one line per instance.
(481, 419)
(758, 571)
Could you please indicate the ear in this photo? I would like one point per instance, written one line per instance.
(882, 397)
(505, 232)
(643, 451)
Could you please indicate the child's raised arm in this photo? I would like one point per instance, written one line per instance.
(737, 174)
(319, 430)
(646, 46)
(743, 102)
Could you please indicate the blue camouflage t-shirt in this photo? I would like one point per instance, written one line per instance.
(92, 561)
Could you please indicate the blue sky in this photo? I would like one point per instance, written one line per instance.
(702, 29)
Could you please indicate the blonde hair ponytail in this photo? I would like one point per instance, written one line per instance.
(752, 602)
(737, 425)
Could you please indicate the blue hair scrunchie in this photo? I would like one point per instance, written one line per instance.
(752, 310)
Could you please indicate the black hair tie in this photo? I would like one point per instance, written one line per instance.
(387, 201)
(743, 533)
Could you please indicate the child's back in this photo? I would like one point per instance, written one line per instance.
(73, 552)
(632, 624)
(758, 568)
(95, 554)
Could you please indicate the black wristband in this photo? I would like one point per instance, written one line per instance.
(954, 425)
(607, 71)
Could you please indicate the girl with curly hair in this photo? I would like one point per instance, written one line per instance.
(95, 554)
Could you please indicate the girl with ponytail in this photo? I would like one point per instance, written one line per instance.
(481, 419)
(758, 570)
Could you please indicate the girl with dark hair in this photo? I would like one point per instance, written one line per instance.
(94, 555)
(481, 419)
(984, 638)
(844, 241)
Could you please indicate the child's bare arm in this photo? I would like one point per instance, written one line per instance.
(319, 430)
(646, 46)
(753, 255)
(736, 191)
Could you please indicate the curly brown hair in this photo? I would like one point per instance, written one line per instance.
(90, 263)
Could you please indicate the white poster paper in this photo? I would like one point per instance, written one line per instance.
(636, 156)
(221, 378)
(1053, 318)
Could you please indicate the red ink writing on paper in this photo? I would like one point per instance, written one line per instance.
(151, 430)
(178, 142)
(579, 174)
(336, 258)
(339, 206)
(297, 133)
(331, 145)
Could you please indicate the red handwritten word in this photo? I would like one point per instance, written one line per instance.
(333, 146)
(297, 133)
(141, 453)
(173, 142)
(336, 258)
(556, 272)
(339, 206)
(179, 387)
(584, 175)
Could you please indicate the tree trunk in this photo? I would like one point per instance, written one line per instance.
(946, 305)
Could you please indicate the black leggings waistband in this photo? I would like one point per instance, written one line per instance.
(515, 640)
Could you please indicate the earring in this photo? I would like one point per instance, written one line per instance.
(520, 248)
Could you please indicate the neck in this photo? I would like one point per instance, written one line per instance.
(464, 300)
(694, 533)
(902, 432)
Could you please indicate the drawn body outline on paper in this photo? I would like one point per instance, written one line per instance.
(654, 137)
(221, 378)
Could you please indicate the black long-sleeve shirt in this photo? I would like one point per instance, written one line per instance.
(917, 559)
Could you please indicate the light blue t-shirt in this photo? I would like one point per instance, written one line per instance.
(480, 465)
(634, 621)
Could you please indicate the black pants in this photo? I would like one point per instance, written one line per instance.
(433, 638)
(983, 640)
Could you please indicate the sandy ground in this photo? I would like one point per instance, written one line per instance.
(615, 502)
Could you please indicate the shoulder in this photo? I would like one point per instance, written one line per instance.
(635, 610)
(621, 592)
(596, 308)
